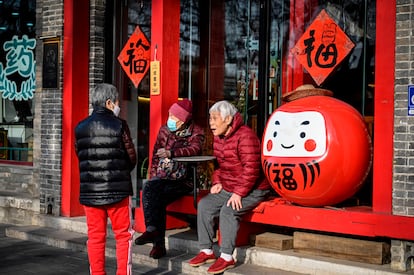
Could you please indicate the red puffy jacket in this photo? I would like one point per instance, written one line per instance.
(238, 157)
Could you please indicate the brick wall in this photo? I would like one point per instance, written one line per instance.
(403, 183)
(402, 252)
(48, 124)
(17, 180)
(49, 101)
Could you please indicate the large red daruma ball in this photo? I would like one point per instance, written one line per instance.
(316, 151)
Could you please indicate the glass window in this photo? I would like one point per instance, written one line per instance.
(350, 78)
(17, 79)
(192, 84)
(219, 54)
(219, 59)
(139, 14)
(219, 51)
(121, 20)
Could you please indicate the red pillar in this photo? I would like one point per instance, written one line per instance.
(384, 106)
(75, 97)
(165, 47)
(165, 36)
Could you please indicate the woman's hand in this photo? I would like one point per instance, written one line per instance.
(235, 202)
(162, 153)
(216, 188)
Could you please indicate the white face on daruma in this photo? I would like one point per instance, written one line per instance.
(301, 134)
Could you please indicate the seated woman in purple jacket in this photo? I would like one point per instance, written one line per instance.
(179, 137)
(238, 185)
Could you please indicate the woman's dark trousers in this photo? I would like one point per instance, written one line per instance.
(156, 196)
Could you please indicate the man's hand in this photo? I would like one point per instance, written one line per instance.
(235, 202)
(216, 188)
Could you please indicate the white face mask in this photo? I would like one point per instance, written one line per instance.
(116, 110)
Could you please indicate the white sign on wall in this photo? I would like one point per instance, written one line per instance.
(411, 100)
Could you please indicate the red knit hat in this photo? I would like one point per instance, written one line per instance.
(182, 109)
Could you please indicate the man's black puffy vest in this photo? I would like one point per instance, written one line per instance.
(103, 161)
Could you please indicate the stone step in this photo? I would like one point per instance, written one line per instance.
(286, 260)
(175, 261)
(182, 246)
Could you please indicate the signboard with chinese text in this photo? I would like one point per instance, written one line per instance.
(135, 56)
(322, 47)
(155, 78)
(19, 60)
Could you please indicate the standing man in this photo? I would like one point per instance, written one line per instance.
(106, 156)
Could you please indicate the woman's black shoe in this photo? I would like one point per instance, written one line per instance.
(147, 237)
(158, 251)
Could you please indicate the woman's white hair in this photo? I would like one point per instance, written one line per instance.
(102, 92)
(225, 109)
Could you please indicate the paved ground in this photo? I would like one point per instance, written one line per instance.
(20, 257)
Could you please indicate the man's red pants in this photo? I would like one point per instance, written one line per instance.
(121, 220)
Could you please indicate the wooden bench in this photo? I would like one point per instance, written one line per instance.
(268, 212)
(176, 212)
(184, 206)
(278, 212)
(177, 217)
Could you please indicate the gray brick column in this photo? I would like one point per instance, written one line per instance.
(49, 110)
(402, 252)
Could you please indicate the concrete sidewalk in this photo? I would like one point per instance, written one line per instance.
(23, 257)
(58, 246)
(46, 250)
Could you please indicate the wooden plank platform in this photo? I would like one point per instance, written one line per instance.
(373, 252)
(274, 241)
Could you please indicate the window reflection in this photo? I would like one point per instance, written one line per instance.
(17, 81)
(219, 50)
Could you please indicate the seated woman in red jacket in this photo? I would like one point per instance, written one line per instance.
(238, 185)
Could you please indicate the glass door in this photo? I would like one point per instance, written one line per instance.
(352, 74)
(220, 54)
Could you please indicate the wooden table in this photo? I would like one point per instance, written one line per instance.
(193, 161)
